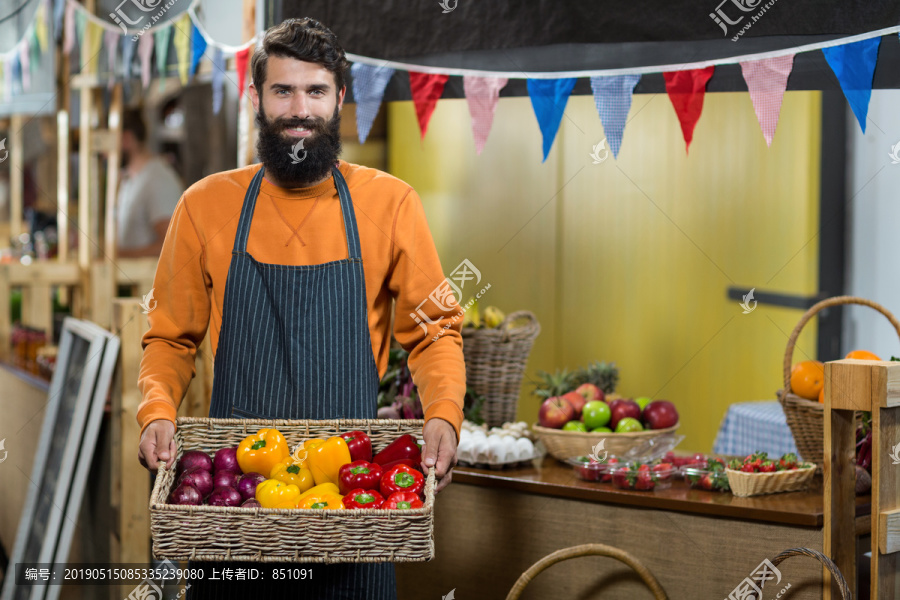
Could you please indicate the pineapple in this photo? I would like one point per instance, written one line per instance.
(554, 384)
(602, 374)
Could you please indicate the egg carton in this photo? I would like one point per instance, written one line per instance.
(497, 466)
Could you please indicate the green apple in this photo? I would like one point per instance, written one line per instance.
(629, 424)
(643, 401)
(595, 414)
(601, 430)
(574, 426)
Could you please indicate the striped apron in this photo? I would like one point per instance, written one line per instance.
(295, 344)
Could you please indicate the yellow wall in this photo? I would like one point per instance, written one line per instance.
(629, 259)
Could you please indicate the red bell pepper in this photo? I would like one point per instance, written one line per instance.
(402, 501)
(361, 498)
(403, 447)
(402, 479)
(359, 444)
(360, 474)
(403, 461)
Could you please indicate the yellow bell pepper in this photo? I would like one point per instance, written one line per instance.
(272, 493)
(260, 452)
(288, 471)
(326, 459)
(325, 501)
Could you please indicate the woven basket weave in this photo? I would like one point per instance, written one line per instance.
(563, 445)
(806, 418)
(287, 535)
(756, 484)
(495, 364)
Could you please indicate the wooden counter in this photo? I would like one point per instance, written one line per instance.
(492, 525)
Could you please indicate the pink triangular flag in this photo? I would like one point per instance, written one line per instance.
(69, 28)
(426, 91)
(145, 52)
(686, 90)
(111, 41)
(240, 63)
(767, 79)
(482, 94)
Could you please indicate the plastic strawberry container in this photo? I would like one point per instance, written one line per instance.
(643, 477)
(588, 469)
(699, 477)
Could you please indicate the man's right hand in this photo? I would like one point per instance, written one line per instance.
(157, 443)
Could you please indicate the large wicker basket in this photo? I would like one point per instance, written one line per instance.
(757, 484)
(563, 445)
(287, 535)
(806, 418)
(495, 364)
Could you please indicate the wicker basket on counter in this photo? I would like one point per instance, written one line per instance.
(757, 484)
(563, 445)
(287, 535)
(806, 418)
(495, 363)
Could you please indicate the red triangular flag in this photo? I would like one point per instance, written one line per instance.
(686, 90)
(240, 64)
(426, 90)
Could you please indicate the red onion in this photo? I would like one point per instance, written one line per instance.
(251, 503)
(193, 458)
(199, 478)
(186, 494)
(247, 484)
(225, 479)
(226, 460)
(225, 496)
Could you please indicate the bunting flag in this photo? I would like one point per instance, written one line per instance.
(69, 39)
(240, 64)
(854, 66)
(36, 51)
(3, 96)
(162, 37)
(767, 79)
(612, 96)
(80, 24)
(218, 75)
(686, 90)
(198, 48)
(25, 65)
(426, 91)
(111, 41)
(91, 47)
(15, 73)
(482, 94)
(128, 48)
(182, 39)
(60, 8)
(40, 28)
(145, 51)
(369, 83)
(548, 99)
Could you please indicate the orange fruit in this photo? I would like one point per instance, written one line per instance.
(862, 355)
(822, 395)
(808, 379)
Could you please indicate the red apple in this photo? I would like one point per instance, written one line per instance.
(590, 392)
(555, 412)
(660, 414)
(619, 409)
(577, 401)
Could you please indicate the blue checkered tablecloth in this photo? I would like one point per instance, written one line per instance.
(754, 426)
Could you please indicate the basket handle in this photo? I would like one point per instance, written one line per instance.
(157, 484)
(813, 310)
(532, 325)
(827, 562)
(587, 550)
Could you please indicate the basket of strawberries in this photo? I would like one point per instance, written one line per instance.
(757, 474)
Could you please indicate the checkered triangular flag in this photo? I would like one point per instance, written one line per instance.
(368, 90)
(482, 94)
(612, 95)
(767, 79)
(218, 79)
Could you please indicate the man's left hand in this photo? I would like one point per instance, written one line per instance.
(440, 450)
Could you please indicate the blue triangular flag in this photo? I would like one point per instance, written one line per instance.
(198, 43)
(16, 68)
(59, 9)
(368, 90)
(549, 98)
(218, 72)
(854, 66)
(612, 95)
(128, 47)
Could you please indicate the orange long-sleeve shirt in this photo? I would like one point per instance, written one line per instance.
(302, 226)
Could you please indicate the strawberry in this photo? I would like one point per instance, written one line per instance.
(767, 467)
(664, 470)
(645, 478)
(787, 462)
(706, 482)
(607, 476)
(750, 468)
(621, 478)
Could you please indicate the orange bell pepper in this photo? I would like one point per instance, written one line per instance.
(260, 452)
(326, 459)
(325, 501)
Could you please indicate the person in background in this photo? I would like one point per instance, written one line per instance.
(148, 193)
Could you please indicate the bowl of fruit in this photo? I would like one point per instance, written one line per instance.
(757, 474)
(642, 476)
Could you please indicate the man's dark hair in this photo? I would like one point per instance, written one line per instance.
(133, 121)
(303, 39)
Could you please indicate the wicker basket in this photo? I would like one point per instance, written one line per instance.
(563, 445)
(495, 364)
(826, 562)
(756, 484)
(287, 535)
(806, 418)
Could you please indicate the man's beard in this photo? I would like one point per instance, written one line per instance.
(276, 151)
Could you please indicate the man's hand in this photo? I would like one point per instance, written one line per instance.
(440, 450)
(157, 443)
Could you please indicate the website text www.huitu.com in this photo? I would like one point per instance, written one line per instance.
(753, 19)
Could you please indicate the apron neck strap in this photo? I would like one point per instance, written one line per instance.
(350, 229)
